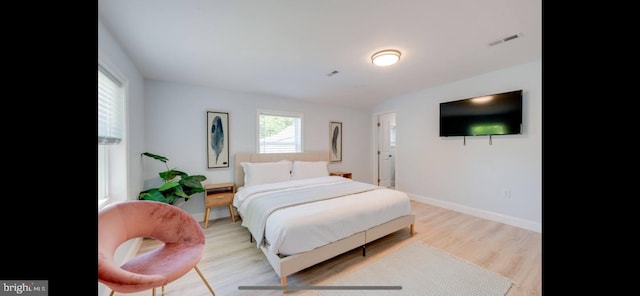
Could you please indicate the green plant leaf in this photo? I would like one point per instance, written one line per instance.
(153, 194)
(192, 190)
(154, 156)
(171, 198)
(192, 181)
(179, 192)
(171, 174)
(168, 175)
(180, 173)
(169, 185)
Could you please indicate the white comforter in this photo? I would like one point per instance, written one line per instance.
(304, 227)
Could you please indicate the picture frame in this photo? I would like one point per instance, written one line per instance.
(335, 141)
(217, 139)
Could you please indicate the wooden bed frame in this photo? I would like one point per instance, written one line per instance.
(285, 266)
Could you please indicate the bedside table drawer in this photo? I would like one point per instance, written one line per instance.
(218, 199)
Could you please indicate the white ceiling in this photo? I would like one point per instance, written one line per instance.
(286, 48)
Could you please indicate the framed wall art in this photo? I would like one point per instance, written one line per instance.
(217, 139)
(335, 138)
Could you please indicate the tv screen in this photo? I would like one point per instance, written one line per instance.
(497, 114)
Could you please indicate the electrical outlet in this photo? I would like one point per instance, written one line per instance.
(507, 193)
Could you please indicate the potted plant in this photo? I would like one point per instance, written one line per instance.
(177, 184)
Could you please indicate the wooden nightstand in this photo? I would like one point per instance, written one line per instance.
(342, 174)
(218, 195)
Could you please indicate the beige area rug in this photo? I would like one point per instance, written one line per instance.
(418, 269)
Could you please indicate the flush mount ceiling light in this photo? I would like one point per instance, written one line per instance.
(385, 57)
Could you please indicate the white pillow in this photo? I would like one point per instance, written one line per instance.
(309, 169)
(257, 173)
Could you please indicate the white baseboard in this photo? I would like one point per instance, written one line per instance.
(517, 222)
(213, 215)
(200, 216)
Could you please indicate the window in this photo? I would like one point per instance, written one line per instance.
(393, 136)
(279, 132)
(110, 126)
(110, 111)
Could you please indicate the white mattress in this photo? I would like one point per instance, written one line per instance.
(304, 227)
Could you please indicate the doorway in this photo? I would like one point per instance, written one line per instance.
(386, 149)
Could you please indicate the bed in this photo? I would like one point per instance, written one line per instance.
(299, 215)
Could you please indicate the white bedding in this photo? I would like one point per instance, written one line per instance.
(304, 227)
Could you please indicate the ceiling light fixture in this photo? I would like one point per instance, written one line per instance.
(385, 57)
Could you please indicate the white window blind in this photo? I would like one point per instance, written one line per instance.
(110, 109)
(279, 132)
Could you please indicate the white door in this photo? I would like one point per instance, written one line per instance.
(384, 146)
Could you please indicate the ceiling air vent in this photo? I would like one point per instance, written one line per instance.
(334, 72)
(505, 39)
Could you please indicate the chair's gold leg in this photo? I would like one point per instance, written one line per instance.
(112, 291)
(162, 290)
(204, 280)
(153, 292)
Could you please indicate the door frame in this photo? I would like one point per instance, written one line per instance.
(374, 145)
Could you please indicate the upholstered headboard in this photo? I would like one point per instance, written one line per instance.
(271, 157)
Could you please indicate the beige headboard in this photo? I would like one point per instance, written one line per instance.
(270, 157)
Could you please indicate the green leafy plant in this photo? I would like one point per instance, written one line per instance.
(177, 184)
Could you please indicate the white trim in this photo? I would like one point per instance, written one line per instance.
(123, 150)
(374, 146)
(102, 203)
(514, 221)
(106, 63)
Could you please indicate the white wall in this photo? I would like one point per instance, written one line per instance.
(472, 178)
(175, 120)
(127, 186)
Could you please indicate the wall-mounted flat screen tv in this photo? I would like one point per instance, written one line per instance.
(496, 114)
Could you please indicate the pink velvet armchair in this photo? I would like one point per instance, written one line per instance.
(183, 245)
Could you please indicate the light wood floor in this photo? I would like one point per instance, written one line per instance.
(230, 260)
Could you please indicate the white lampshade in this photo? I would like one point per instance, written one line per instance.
(385, 57)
